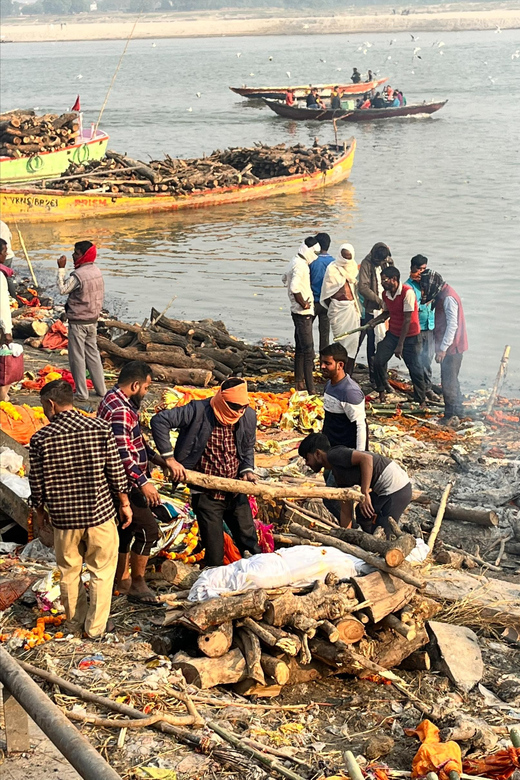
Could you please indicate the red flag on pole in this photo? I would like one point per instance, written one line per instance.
(76, 106)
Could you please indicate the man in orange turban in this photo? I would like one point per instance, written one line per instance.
(216, 436)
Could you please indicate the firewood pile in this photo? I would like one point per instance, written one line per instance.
(23, 133)
(176, 176)
(262, 638)
(181, 352)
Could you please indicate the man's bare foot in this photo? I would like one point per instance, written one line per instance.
(382, 398)
(122, 587)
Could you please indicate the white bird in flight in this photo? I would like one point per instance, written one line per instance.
(441, 52)
(189, 109)
(322, 60)
(516, 55)
(239, 53)
(305, 26)
(288, 73)
(270, 59)
(389, 57)
(498, 30)
(79, 76)
(414, 37)
(441, 43)
(367, 44)
(393, 40)
(154, 45)
(340, 68)
(198, 94)
(251, 74)
(492, 80)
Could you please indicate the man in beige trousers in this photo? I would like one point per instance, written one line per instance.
(76, 473)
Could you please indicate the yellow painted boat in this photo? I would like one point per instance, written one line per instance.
(32, 204)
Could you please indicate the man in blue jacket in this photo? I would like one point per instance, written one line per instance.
(418, 265)
(217, 437)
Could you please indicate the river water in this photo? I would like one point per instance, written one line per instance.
(447, 187)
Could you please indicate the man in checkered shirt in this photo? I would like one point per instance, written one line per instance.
(120, 408)
(76, 473)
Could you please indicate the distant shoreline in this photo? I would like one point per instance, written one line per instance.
(259, 22)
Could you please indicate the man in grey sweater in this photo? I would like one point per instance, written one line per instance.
(85, 289)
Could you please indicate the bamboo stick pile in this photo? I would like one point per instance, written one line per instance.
(23, 133)
(230, 168)
(182, 352)
(258, 639)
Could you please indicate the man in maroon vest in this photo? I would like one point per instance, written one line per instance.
(451, 339)
(402, 337)
(85, 289)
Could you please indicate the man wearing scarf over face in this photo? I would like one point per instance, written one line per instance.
(216, 436)
(85, 289)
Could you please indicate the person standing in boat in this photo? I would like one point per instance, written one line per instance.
(297, 279)
(451, 338)
(370, 76)
(289, 97)
(356, 76)
(85, 290)
(339, 297)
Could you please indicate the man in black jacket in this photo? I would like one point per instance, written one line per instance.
(216, 436)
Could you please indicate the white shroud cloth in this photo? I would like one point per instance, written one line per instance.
(344, 316)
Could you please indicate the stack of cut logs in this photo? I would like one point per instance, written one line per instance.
(23, 133)
(196, 353)
(232, 167)
(264, 639)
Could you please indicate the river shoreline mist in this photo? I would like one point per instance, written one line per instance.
(259, 22)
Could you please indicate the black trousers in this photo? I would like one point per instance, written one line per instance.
(304, 352)
(143, 531)
(235, 511)
(371, 344)
(323, 324)
(426, 353)
(411, 352)
(385, 507)
(450, 368)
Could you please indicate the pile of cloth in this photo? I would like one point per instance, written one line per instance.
(48, 374)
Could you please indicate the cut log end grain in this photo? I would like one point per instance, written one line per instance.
(350, 630)
(179, 574)
(216, 641)
(210, 672)
(275, 668)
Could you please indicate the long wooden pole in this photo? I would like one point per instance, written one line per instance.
(24, 250)
(440, 516)
(502, 370)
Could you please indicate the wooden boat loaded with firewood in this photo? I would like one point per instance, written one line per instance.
(120, 186)
(351, 115)
(278, 93)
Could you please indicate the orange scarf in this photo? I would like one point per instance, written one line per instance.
(236, 395)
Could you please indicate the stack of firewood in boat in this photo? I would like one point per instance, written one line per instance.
(261, 638)
(232, 167)
(196, 353)
(23, 133)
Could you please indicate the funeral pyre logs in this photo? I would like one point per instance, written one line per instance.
(292, 635)
(23, 133)
(196, 353)
(176, 176)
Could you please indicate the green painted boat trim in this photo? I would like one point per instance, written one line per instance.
(53, 164)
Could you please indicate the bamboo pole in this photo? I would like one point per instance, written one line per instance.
(502, 370)
(440, 515)
(24, 249)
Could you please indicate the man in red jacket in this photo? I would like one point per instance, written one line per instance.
(402, 338)
(451, 338)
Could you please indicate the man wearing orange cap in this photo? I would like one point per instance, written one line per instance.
(216, 436)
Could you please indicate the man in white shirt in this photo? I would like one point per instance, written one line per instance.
(298, 282)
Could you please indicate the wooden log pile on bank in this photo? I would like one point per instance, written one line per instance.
(288, 636)
(181, 352)
(176, 176)
(23, 133)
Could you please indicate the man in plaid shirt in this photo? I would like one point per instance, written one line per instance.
(75, 474)
(120, 408)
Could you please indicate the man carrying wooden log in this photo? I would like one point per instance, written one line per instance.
(85, 289)
(76, 473)
(451, 339)
(216, 436)
(120, 408)
(386, 487)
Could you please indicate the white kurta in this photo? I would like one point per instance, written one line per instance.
(344, 317)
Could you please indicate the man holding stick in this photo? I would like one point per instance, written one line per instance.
(386, 487)
(216, 437)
